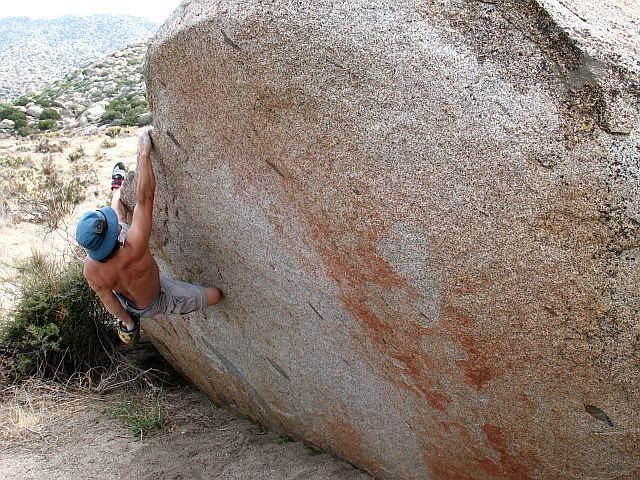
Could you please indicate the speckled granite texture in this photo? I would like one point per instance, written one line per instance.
(425, 217)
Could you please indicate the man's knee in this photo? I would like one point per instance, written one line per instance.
(214, 295)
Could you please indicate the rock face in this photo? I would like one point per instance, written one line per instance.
(425, 217)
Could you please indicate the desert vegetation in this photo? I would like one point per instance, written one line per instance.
(124, 110)
(58, 326)
(27, 60)
(42, 191)
(103, 93)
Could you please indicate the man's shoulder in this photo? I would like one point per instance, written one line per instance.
(137, 242)
(91, 270)
(97, 273)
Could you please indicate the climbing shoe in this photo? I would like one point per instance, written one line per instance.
(117, 175)
(129, 337)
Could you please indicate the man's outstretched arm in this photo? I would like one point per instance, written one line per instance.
(140, 231)
(113, 306)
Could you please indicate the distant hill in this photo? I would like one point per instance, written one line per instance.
(37, 51)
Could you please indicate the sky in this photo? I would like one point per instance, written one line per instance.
(157, 10)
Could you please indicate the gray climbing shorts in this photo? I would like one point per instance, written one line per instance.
(175, 297)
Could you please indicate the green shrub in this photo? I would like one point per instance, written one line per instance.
(44, 101)
(26, 131)
(139, 413)
(10, 113)
(45, 98)
(77, 154)
(124, 111)
(46, 124)
(58, 326)
(106, 143)
(22, 101)
(49, 113)
(109, 116)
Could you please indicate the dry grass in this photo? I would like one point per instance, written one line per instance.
(29, 409)
(6, 216)
(36, 414)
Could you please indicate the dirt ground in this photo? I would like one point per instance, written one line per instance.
(52, 433)
(48, 433)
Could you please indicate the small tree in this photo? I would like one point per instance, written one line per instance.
(46, 124)
(49, 114)
(10, 113)
(22, 101)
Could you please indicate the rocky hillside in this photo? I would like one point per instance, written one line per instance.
(37, 51)
(109, 91)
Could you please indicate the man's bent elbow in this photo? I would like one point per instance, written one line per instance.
(144, 201)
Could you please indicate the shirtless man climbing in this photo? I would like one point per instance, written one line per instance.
(119, 266)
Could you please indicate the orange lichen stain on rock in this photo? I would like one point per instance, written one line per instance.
(490, 467)
(527, 401)
(449, 472)
(400, 345)
(418, 366)
(462, 460)
(510, 466)
(453, 427)
(445, 426)
(476, 371)
(349, 255)
(443, 467)
(345, 239)
(347, 442)
(477, 367)
(452, 455)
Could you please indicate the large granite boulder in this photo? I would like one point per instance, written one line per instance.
(425, 218)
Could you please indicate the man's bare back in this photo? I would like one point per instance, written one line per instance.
(132, 273)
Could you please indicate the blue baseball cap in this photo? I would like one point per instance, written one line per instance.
(97, 231)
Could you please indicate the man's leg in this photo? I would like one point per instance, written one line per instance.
(180, 298)
(117, 205)
(117, 177)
